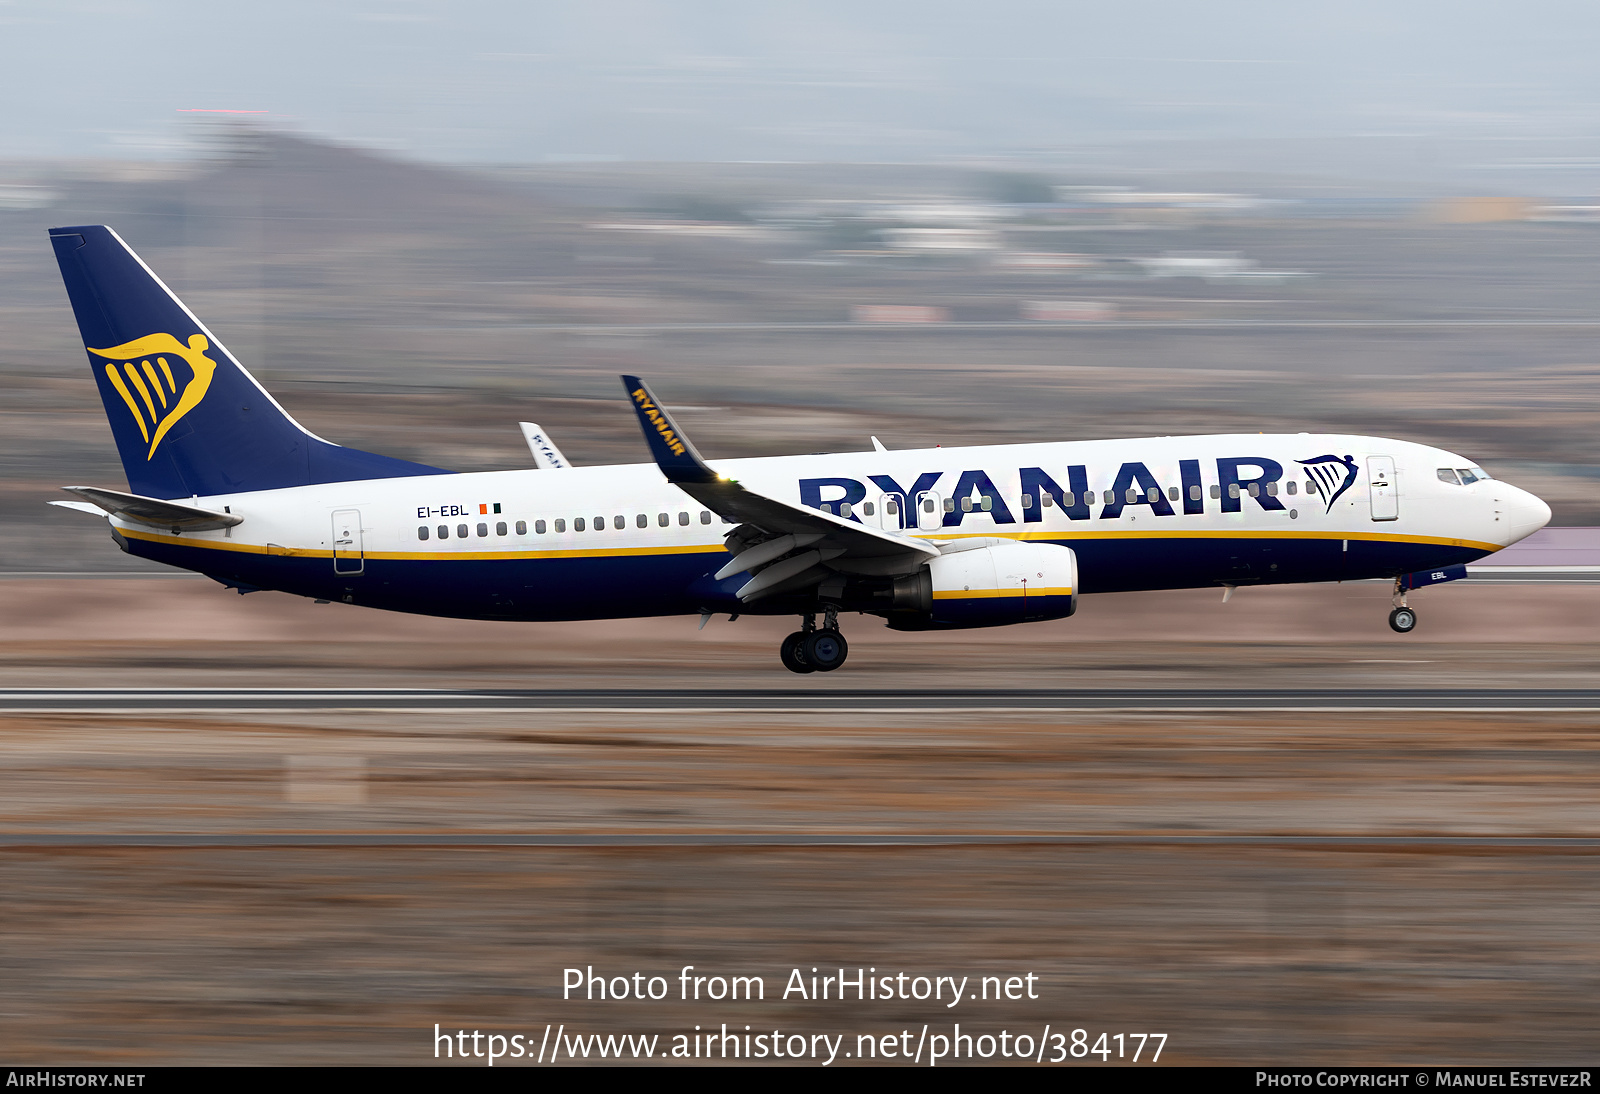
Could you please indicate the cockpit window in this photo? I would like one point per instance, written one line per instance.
(1448, 475)
(1472, 474)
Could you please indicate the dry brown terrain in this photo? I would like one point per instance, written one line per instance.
(1252, 952)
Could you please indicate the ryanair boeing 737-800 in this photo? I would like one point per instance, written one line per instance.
(222, 481)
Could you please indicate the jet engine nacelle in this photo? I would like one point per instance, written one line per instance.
(998, 584)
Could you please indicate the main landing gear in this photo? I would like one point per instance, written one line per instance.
(812, 650)
(1402, 620)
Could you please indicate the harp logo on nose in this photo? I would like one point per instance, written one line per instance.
(160, 379)
(1332, 475)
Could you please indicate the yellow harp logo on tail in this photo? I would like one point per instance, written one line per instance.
(162, 397)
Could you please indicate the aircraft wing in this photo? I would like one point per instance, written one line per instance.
(816, 543)
(153, 511)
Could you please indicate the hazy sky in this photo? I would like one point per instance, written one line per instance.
(810, 79)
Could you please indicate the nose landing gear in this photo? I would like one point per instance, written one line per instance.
(1402, 619)
(812, 650)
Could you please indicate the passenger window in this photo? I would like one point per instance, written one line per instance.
(577, 524)
(1233, 490)
(663, 520)
(538, 527)
(500, 528)
(683, 519)
(1130, 497)
(987, 504)
(949, 505)
(1172, 493)
(1216, 491)
(1048, 501)
(444, 531)
(1088, 497)
(483, 529)
(1448, 475)
(827, 507)
(1272, 489)
(1027, 501)
(1290, 486)
(966, 505)
(844, 509)
(1312, 487)
(705, 516)
(522, 528)
(866, 508)
(927, 505)
(422, 533)
(1255, 490)
(619, 522)
(561, 524)
(642, 521)
(599, 524)
(461, 531)
(891, 508)
(1194, 493)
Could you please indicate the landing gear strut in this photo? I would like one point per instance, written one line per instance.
(812, 650)
(1402, 619)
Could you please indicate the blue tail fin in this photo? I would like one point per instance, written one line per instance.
(188, 419)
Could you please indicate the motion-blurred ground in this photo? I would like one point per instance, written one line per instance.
(1252, 953)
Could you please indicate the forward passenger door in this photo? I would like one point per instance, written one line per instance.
(1382, 488)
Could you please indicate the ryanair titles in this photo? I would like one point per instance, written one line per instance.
(662, 424)
(1238, 479)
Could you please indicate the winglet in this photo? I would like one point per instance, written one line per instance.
(546, 455)
(673, 453)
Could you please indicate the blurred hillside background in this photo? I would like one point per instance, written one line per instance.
(419, 225)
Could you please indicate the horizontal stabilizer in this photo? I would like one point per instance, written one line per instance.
(153, 511)
(80, 507)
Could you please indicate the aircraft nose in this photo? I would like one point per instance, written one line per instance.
(1521, 513)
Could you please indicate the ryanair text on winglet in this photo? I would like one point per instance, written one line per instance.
(659, 420)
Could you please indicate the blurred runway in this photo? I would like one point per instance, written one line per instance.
(393, 840)
(276, 832)
(799, 700)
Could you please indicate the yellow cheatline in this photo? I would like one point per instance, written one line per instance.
(985, 594)
(615, 552)
(719, 549)
(431, 556)
(155, 382)
(127, 397)
(1178, 533)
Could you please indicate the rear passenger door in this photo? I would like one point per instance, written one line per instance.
(348, 557)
